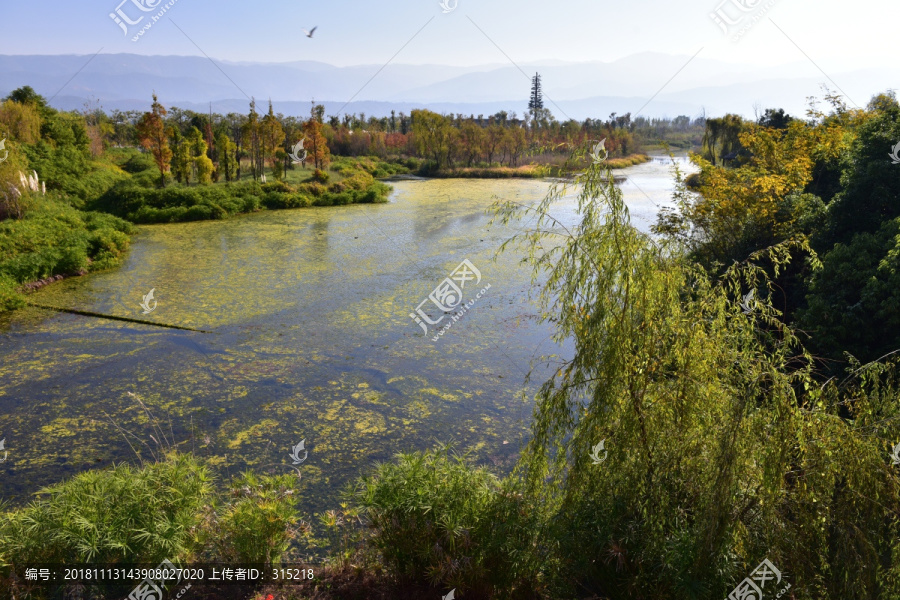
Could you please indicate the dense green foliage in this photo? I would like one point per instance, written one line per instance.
(140, 204)
(853, 305)
(829, 180)
(165, 510)
(118, 515)
(255, 524)
(437, 519)
(55, 239)
(724, 448)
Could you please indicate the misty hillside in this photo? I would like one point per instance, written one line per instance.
(576, 90)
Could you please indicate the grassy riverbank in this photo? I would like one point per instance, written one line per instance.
(532, 171)
(347, 181)
(55, 240)
(82, 221)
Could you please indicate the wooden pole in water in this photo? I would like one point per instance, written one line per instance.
(85, 313)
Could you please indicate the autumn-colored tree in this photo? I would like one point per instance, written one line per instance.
(493, 141)
(151, 130)
(98, 127)
(754, 205)
(514, 142)
(378, 146)
(396, 143)
(316, 145)
(432, 135)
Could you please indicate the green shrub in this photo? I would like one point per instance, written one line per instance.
(68, 170)
(139, 201)
(138, 162)
(117, 515)
(278, 186)
(276, 200)
(10, 298)
(256, 523)
(693, 182)
(177, 203)
(436, 519)
(359, 181)
(342, 168)
(56, 239)
(314, 189)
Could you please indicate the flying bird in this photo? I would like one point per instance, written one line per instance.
(310, 33)
(450, 596)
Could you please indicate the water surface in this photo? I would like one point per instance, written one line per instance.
(308, 338)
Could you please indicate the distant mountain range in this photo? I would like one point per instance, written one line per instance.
(652, 83)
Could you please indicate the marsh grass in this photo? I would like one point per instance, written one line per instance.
(436, 519)
(535, 170)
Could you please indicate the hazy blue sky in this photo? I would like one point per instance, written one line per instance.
(835, 33)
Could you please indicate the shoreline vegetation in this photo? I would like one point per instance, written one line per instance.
(737, 369)
(532, 171)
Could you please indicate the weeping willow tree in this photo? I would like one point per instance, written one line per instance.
(721, 447)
